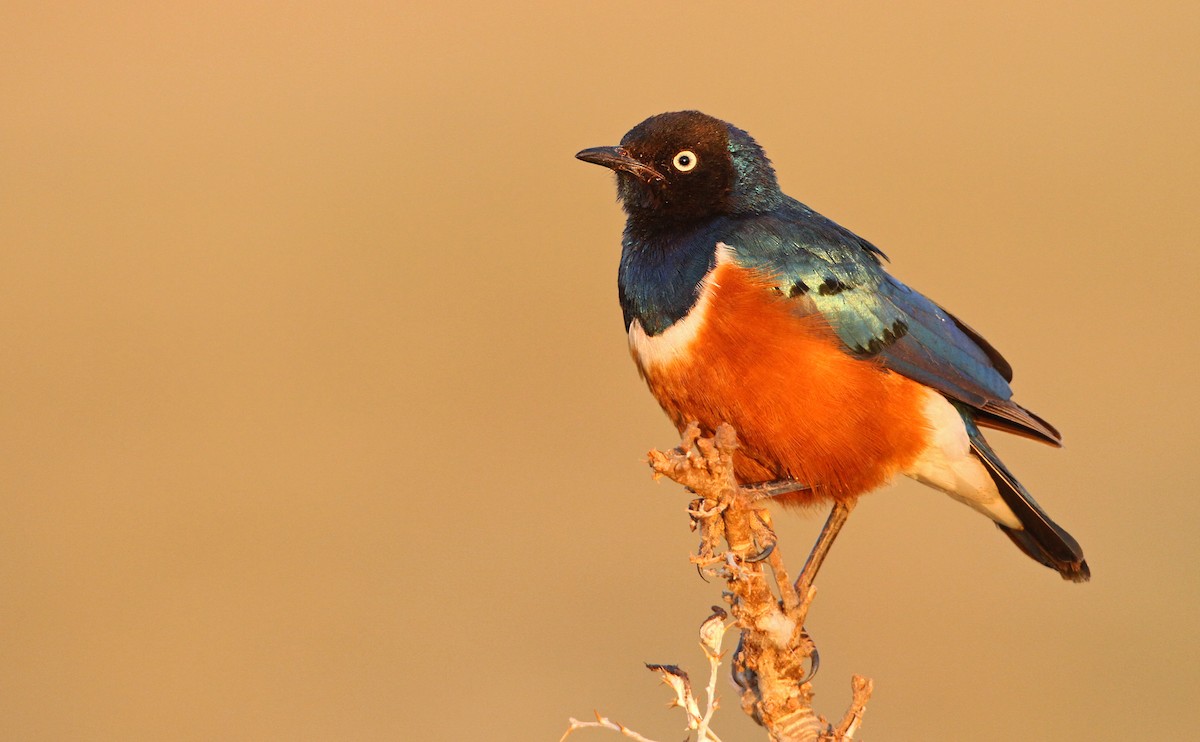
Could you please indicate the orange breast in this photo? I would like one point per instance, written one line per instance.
(803, 408)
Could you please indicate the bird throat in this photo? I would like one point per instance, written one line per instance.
(660, 275)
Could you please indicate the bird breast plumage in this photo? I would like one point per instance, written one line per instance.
(803, 407)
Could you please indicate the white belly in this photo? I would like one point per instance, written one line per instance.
(947, 463)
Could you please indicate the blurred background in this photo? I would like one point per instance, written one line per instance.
(317, 419)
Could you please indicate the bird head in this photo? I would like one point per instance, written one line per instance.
(686, 166)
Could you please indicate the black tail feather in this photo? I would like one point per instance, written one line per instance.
(1040, 538)
(1074, 569)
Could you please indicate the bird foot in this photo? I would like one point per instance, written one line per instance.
(762, 535)
(814, 657)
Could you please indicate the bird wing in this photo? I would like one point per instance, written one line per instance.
(823, 267)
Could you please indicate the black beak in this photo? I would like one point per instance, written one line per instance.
(616, 158)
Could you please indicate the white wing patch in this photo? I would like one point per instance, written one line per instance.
(947, 464)
(669, 345)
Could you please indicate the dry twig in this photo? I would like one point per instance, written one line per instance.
(774, 649)
(603, 722)
(768, 609)
(712, 634)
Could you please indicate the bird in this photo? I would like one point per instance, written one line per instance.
(744, 306)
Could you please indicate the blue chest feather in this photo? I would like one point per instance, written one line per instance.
(659, 278)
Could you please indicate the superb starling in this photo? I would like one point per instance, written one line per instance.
(745, 306)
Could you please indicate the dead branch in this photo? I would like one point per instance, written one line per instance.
(768, 608)
(603, 722)
(712, 634)
(774, 651)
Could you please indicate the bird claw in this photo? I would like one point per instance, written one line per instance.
(705, 562)
(762, 555)
(815, 659)
(763, 536)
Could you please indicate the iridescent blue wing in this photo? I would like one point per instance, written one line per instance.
(825, 268)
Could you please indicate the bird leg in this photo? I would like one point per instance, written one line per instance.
(774, 488)
(837, 519)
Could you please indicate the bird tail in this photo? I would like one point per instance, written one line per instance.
(1040, 538)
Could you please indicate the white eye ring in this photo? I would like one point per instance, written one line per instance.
(685, 161)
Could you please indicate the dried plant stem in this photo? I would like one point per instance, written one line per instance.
(603, 722)
(774, 650)
(712, 634)
(850, 722)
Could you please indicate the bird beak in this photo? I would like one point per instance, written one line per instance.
(617, 158)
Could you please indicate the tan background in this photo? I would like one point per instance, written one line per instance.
(318, 423)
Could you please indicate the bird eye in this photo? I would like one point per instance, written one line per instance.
(684, 161)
